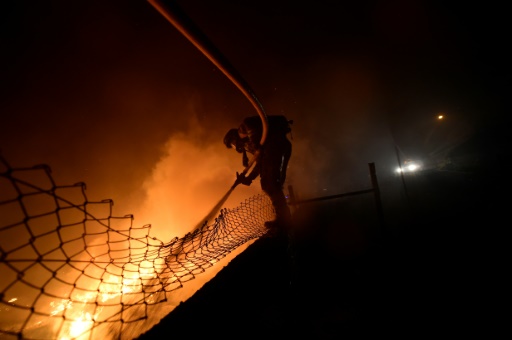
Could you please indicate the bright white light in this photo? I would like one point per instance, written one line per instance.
(409, 167)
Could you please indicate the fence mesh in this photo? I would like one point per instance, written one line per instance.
(69, 269)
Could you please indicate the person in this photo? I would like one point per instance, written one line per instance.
(271, 164)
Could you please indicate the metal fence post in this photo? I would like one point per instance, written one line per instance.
(376, 193)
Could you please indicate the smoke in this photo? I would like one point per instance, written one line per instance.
(194, 172)
(338, 127)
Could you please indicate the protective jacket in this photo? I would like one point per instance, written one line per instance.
(272, 163)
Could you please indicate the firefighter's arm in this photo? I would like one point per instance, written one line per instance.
(245, 159)
(252, 131)
(247, 180)
(255, 172)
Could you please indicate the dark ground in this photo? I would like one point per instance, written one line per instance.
(431, 274)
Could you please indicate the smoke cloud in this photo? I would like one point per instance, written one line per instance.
(187, 181)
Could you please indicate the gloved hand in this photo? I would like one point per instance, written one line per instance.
(241, 179)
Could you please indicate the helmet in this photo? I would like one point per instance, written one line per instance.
(232, 138)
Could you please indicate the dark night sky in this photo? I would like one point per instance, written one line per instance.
(99, 90)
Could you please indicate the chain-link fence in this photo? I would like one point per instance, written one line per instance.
(69, 269)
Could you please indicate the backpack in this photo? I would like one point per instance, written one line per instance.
(279, 124)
